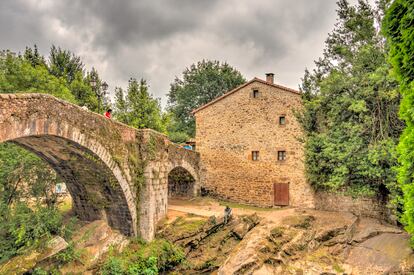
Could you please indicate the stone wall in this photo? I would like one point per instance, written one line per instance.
(372, 207)
(227, 132)
(160, 158)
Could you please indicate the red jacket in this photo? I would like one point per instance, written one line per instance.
(108, 114)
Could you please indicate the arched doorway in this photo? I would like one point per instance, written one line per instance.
(181, 183)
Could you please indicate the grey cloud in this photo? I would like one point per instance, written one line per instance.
(136, 21)
(158, 39)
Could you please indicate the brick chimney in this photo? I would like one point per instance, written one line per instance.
(270, 78)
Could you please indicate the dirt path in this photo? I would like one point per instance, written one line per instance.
(207, 207)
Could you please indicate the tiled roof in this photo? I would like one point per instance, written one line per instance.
(242, 86)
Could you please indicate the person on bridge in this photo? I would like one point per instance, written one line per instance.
(108, 113)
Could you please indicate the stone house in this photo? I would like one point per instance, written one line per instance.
(248, 140)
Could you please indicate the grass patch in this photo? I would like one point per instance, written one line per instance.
(338, 268)
(301, 222)
(140, 257)
(65, 206)
(183, 226)
(245, 206)
(276, 232)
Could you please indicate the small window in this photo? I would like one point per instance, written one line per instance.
(282, 120)
(255, 155)
(281, 155)
(255, 93)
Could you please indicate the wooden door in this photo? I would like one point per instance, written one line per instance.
(281, 193)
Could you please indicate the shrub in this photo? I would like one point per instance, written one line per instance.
(145, 258)
(113, 266)
(68, 255)
(22, 227)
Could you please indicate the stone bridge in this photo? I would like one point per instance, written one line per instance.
(112, 171)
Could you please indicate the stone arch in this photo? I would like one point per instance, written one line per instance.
(185, 165)
(98, 187)
(180, 183)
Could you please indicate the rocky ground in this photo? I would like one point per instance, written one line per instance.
(289, 241)
(255, 241)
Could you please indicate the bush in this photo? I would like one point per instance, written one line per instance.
(68, 255)
(167, 254)
(23, 227)
(113, 266)
(144, 266)
(178, 137)
(148, 259)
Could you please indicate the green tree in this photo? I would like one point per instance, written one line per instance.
(351, 103)
(121, 106)
(138, 108)
(172, 125)
(200, 83)
(33, 56)
(18, 75)
(64, 63)
(24, 175)
(83, 92)
(98, 93)
(399, 28)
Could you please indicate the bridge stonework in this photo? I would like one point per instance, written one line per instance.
(112, 171)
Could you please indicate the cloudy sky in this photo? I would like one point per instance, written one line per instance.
(157, 40)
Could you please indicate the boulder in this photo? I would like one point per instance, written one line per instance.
(380, 254)
(53, 247)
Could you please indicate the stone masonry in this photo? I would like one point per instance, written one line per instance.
(112, 171)
(230, 127)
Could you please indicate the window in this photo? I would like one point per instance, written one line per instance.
(282, 120)
(255, 93)
(281, 155)
(255, 155)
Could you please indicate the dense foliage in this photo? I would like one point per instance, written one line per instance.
(398, 25)
(27, 201)
(158, 256)
(23, 227)
(200, 84)
(19, 75)
(351, 103)
(137, 107)
(27, 198)
(23, 175)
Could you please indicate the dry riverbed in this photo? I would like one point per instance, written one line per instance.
(290, 241)
(255, 241)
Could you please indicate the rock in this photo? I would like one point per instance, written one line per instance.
(336, 249)
(240, 230)
(20, 264)
(275, 260)
(246, 223)
(302, 221)
(264, 270)
(380, 254)
(92, 241)
(368, 228)
(245, 258)
(23, 263)
(329, 233)
(53, 247)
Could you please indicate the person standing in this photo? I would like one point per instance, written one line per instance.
(108, 113)
(227, 214)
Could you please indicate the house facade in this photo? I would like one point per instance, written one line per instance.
(248, 140)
